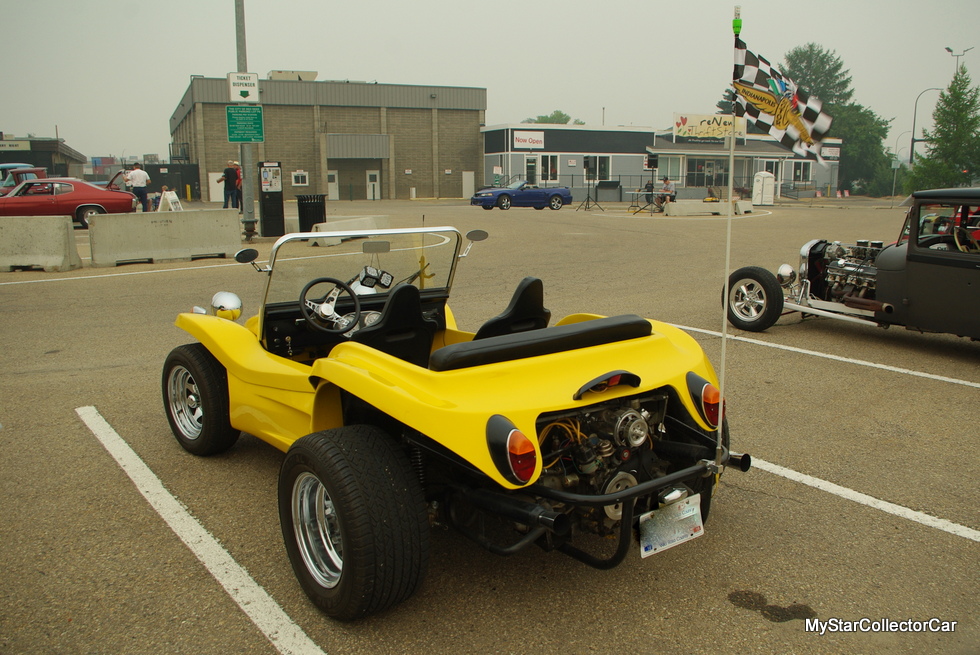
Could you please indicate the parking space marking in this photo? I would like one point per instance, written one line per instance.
(287, 637)
(870, 501)
(97, 277)
(849, 360)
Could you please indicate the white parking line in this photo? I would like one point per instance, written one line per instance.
(870, 501)
(849, 360)
(287, 637)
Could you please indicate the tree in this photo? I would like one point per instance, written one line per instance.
(863, 163)
(819, 73)
(557, 117)
(953, 152)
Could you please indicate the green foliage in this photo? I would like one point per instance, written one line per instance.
(953, 152)
(557, 117)
(863, 163)
(819, 73)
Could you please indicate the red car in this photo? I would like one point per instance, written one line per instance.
(66, 196)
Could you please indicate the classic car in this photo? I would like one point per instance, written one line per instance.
(66, 196)
(17, 175)
(522, 194)
(927, 280)
(394, 420)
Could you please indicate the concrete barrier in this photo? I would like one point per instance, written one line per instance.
(341, 223)
(164, 236)
(694, 208)
(46, 242)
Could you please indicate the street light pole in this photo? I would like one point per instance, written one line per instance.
(915, 110)
(957, 57)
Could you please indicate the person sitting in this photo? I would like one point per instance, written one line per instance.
(669, 194)
(648, 187)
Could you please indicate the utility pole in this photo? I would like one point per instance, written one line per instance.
(248, 164)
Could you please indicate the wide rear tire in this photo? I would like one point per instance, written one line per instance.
(354, 520)
(755, 299)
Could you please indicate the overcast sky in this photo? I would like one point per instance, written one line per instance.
(108, 75)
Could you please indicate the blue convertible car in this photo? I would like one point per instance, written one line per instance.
(522, 194)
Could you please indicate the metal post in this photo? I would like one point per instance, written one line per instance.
(248, 169)
(915, 110)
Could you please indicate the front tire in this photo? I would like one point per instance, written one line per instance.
(555, 202)
(353, 520)
(504, 202)
(195, 397)
(755, 299)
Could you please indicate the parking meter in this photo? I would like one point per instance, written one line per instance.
(271, 215)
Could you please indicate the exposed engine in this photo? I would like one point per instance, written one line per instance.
(848, 271)
(612, 447)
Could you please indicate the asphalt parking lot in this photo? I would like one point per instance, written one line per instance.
(862, 507)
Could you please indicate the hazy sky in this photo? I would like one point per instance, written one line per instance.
(108, 75)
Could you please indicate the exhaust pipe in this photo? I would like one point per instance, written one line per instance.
(741, 461)
(856, 302)
(518, 510)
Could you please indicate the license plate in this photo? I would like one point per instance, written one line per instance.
(670, 525)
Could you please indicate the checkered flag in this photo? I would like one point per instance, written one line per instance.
(773, 102)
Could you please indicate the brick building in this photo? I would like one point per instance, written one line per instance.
(346, 140)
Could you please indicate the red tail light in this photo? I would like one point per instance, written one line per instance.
(514, 455)
(707, 398)
(522, 456)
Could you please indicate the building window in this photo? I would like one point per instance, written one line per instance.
(301, 178)
(706, 172)
(801, 173)
(669, 166)
(596, 167)
(549, 168)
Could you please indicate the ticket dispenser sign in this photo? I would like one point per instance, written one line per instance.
(271, 214)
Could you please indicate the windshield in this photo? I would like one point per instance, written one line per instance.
(423, 257)
(517, 185)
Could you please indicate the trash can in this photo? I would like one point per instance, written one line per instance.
(312, 210)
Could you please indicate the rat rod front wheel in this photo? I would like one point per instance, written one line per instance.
(354, 520)
(755, 299)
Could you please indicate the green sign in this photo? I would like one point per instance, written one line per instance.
(245, 124)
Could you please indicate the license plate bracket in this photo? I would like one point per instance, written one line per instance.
(670, 525)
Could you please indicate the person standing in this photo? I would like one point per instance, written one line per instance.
(137, 179)
(238, 187)
(230, 177)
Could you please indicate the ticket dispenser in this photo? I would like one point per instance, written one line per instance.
(272, 222)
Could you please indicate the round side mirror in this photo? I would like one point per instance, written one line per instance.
(246, 256)
(477, 235)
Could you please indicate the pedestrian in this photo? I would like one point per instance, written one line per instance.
(137, 179)
(230, 177)
(238, 187)
(668, 194)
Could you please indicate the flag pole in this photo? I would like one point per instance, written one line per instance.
(737, 29)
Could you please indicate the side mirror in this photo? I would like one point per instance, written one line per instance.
(246, 256)
(473, 236)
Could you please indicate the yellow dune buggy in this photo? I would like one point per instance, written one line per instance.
(394, 420)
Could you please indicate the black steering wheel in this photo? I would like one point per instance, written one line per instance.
(320, 312)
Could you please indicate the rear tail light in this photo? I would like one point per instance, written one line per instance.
(522, 455)
(514, 455)
(707, 398)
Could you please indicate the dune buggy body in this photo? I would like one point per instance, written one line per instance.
(393, 419)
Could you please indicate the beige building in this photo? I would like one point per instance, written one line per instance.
(346, 140)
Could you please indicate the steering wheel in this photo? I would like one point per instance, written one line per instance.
(965, 241)
(319, 312)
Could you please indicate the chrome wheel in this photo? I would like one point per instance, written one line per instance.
(748, 299)
(755, 299)
(185, 403)
(317, 530)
